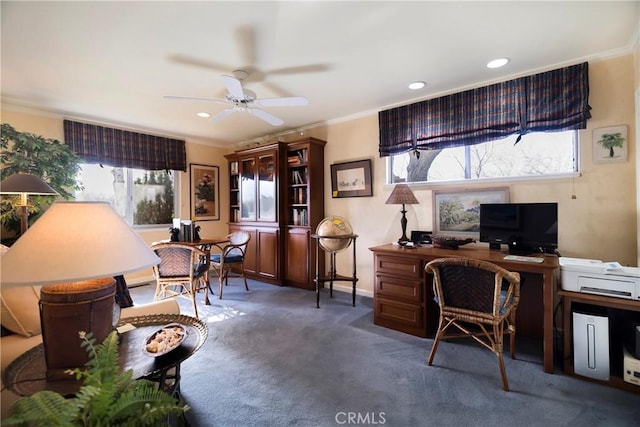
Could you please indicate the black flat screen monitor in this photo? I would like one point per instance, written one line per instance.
(525, 227)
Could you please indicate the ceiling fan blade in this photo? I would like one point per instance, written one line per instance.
(189, 98)
(221, 115)
(234, 87)
(269, 118)
(291, 101)
(300, 69)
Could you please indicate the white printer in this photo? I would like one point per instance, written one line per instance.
(601, 278)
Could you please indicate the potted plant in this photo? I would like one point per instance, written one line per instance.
(49, 159)
(106, 398)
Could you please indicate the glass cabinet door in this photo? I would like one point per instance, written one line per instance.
(267, 187)
(248, 189)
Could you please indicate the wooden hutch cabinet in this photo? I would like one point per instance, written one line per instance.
(304, 210)
(276, 194)
(255, 188)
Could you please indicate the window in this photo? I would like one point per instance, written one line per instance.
(537, 154)
(141, 197)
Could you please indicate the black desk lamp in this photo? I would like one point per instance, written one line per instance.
(402, 195)
(25, 184)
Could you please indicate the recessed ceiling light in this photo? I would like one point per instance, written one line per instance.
(497, 63)
(204, 115)
(417, 85)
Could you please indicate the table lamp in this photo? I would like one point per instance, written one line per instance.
(25, 184)
(74, 250)
(402, 195)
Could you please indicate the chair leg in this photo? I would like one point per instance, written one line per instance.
(512, 332)
(205, 285)
(244, 277)
(221, 278)
(436, 341)
(503, 373)
(195, 305)
(498, 348)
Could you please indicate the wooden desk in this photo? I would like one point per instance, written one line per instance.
(403, 295)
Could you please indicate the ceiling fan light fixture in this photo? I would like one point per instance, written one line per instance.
(417, 85)
(497, 63)
(204, 115)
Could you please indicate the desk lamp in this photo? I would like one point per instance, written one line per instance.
(74, 250)
(25, 184)
(402, 195)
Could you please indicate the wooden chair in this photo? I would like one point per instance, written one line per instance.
(480, 299)
(183, 271)
(231, 259)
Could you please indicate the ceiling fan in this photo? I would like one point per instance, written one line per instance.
(241, 99)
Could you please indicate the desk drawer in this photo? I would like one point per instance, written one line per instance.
(399, 288)
(401, 316)
(398, 266)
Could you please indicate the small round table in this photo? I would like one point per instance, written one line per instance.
(26, 375)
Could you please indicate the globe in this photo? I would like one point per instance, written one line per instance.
(334, 226)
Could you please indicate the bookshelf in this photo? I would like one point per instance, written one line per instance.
(234, 191)
(304, 209)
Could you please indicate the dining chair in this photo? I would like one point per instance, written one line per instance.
(479, 299)
(182, 272)
(231, 259)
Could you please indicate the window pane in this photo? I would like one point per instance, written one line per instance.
(140, 197)
(104, 184)
(152, 197)
(536, 154)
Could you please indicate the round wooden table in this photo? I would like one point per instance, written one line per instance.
(26, 375)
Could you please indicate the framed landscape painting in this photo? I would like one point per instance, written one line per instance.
(457, 212)
(204, 192)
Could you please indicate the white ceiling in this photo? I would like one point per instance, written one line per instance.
(112, 62)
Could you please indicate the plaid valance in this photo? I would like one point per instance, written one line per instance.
(552, 101)
(121, 148)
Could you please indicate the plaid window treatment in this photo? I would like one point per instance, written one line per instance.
(552, 101)
(121, 148)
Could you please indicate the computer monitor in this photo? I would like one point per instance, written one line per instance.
(525, 227)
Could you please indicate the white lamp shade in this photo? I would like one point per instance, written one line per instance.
(75, 241)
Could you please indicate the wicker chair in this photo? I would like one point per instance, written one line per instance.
(478, 298)
(183, 271)
(231, 259)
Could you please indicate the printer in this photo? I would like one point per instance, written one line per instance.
(592, 276)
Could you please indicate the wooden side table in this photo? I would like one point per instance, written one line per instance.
(26, 375)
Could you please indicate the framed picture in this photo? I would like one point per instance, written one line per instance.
(457, 212)
(610, 144)
(204, 192)
(351, 179)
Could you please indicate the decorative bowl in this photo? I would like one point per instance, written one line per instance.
(449, 242)
(165, 339)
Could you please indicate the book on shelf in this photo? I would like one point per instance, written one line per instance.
(297, 177)
(234, 168)
(299, 217)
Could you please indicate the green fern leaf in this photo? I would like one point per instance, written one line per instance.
(46, 407)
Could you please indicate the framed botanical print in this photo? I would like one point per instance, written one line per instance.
(204, 192)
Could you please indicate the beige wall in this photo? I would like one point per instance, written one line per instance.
(600, 223)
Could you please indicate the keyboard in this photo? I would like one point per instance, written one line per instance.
(524, 258)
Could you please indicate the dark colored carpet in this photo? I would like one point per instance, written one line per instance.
(273, 359)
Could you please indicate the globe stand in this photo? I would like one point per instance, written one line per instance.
(333, 276)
